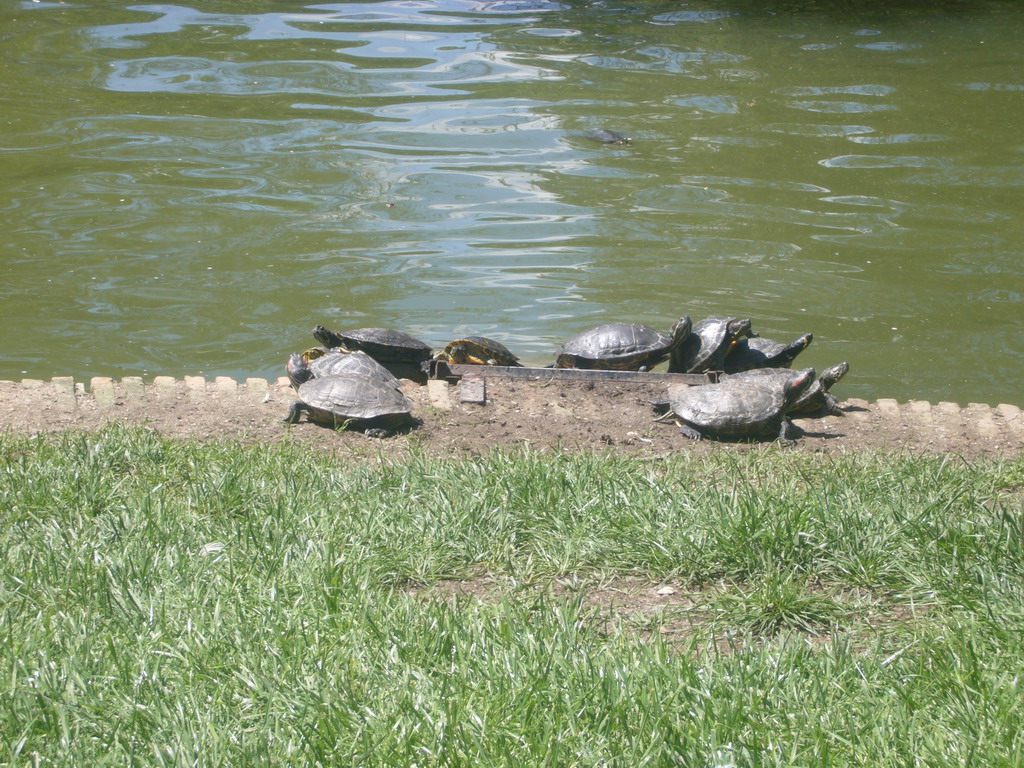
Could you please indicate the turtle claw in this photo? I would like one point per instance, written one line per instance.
(690, 432)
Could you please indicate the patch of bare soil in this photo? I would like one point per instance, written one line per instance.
(563, 416)
(682, 614)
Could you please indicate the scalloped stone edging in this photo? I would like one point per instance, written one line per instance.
(980, 419)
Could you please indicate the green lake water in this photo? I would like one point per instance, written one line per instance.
(189, 189)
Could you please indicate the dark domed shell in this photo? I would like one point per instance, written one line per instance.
(738, 407)
(815, 399)
(477, 350)
(345, 396)
(621, 346)
(358, 363)
(608, 137)
(707, 346)
(730, 409)
(382, 344)
(761, 352)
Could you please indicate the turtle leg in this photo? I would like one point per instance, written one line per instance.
(718, 359)
(832, 406)
(788, 431)
(661, 407)
(685, 428)
(294, 413)
(688, 431)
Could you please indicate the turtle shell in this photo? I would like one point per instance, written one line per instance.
(705, 349)
(815, 399)
(382, 344)
(318, 362)
(358, 363)
(622, 346)
(353, 399)
(477, 350)
(761, 352)
(608, 137)
(738, 408)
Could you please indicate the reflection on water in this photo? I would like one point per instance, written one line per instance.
(193, 188)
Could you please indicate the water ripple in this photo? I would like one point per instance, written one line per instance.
(881, 161)
(191, 188)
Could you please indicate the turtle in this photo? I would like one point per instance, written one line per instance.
(816, 399)
(477, 350)
(313, 353)
(382, 344)
(354, 401)
(607, 137)
(298, 365)
(707, 346)
(622, 346)
(310, 365)
(298, 370)
(762, 352)
(738, 408)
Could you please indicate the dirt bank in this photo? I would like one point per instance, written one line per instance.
(561, 416)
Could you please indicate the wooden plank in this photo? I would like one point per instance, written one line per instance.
(473, 389)
(442, 370)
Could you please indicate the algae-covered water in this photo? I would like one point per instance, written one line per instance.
(189, 189)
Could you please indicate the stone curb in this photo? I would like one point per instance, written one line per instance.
(105, 392)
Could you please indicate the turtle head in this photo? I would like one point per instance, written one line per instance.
(458, 354)
(680, 330)
(298, 369)
(680, 351)
(735, 329)
(454, 354)
(565, 360)
(313, 353)
(831, 375)
(785, 358)
(797, 384)
(739, 327)
(802, 342)
(326, 337)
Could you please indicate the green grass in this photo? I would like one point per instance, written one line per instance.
(185, 603)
